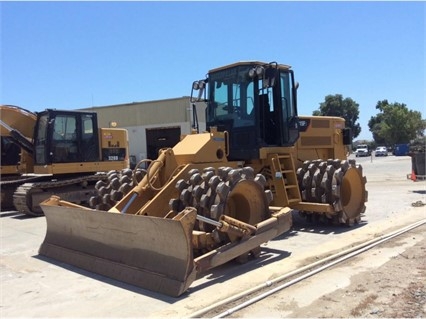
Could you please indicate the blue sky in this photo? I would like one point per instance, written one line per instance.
(70, 55)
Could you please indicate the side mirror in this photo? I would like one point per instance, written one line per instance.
(269, 77)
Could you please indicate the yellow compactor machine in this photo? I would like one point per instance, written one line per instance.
(218, 195)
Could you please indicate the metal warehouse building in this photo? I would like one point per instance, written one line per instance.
(152, 124)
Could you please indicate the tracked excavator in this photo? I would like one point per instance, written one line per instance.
(55, 152)
(219, 195)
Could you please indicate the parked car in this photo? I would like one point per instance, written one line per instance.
(381, 151)
(362, 150)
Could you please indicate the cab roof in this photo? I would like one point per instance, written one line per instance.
(280, 66)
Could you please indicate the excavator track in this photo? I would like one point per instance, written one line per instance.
(337, 182)
(8, 187)
(28, 196)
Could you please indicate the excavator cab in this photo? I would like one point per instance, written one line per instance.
(67, 141)
(61, 137)
(255, 103)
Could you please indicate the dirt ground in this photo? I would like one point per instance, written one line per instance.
(394, 289)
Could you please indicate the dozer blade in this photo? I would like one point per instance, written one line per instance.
(149, 252)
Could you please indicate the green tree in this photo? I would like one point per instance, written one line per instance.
(336, 105)
(395, 123)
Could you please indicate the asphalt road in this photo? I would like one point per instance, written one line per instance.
(34, 286)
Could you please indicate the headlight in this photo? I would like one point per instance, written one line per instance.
(252, 72)
(259, 70)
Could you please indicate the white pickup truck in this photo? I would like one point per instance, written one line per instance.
(362, 150)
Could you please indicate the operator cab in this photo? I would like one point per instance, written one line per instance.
(66, 137)
(255, 103)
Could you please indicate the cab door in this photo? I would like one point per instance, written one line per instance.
(65, 148)
(288, 103)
